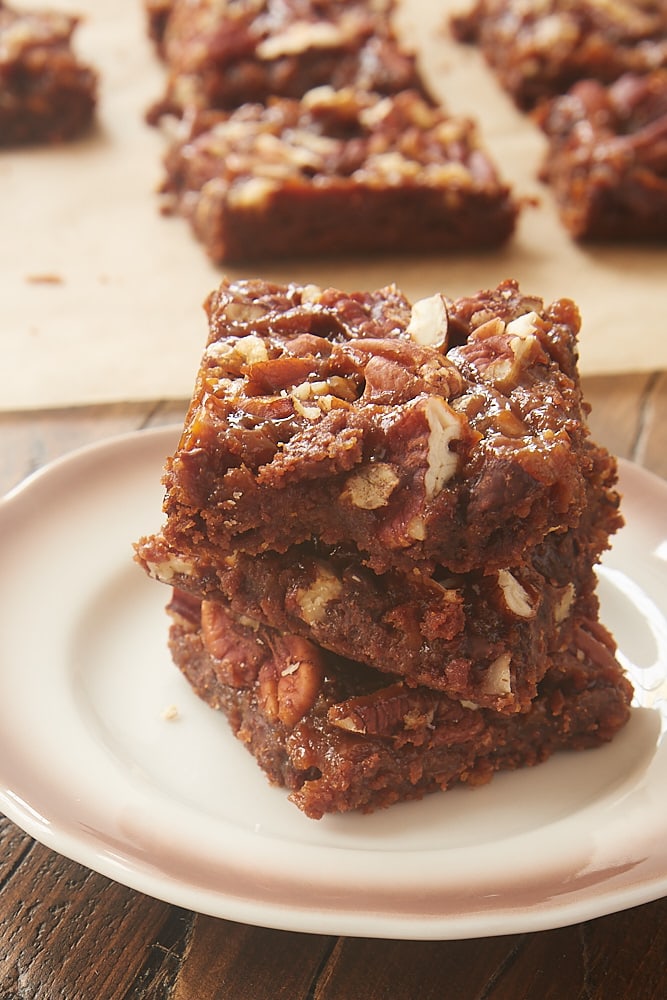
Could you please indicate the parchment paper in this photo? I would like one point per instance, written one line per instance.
(100, 295)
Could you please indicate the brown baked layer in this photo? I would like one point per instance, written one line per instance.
(338, 172)
(339, 736)
(606, 159)
(226, 55)
(46, 94)
(448, 433)
(540, 48)
(484, 637)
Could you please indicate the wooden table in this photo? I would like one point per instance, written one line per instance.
(70, 934)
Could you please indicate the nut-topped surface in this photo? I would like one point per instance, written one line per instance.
(222, 55)
(319, 407)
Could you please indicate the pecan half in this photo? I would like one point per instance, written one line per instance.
(290, 681)
(388, 712)
(236, 651)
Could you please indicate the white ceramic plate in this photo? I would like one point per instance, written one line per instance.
(91, 766)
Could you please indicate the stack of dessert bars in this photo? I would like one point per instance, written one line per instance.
(381, 525)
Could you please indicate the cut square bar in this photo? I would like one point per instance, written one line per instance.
(606, 160)
(539, 48)
(223, 55)
(448, 433)
(46, 93)
(338, 172)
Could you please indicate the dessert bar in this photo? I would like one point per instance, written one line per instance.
(341, 737)
(448, 433)
(606, 160)
(223, 55)
(337, 172)
(46, 93)
(539, 48)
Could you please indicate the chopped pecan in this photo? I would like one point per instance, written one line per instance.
(230, 357)
(185, 608)
(445, 426)
(445, 618)
(429, 321)
(516, 597)
(391, 711)
(370, 486)
(237, 651)
(564, 605)
(400, 370)
(501, 357)
(498, 679)
(408, 715)
(313, 600)
(267, 377)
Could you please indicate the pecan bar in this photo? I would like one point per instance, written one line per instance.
(339, 172)
(223, 55)
(46, 93)
(482, 637)
(449, 433)
(606, 160)
(341, 737)
(539, 48)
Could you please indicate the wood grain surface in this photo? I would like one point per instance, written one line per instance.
(67, 933)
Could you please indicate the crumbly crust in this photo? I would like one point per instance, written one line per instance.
(46, 93)
(539, 48)
(606, 160)
(223, 55)
(340, 171)
(341, 737)
(448, 433)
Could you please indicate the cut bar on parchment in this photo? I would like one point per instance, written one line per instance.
(223, 55)
(47, 94)
(337, 172)
(539, 48)
(606, 158)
